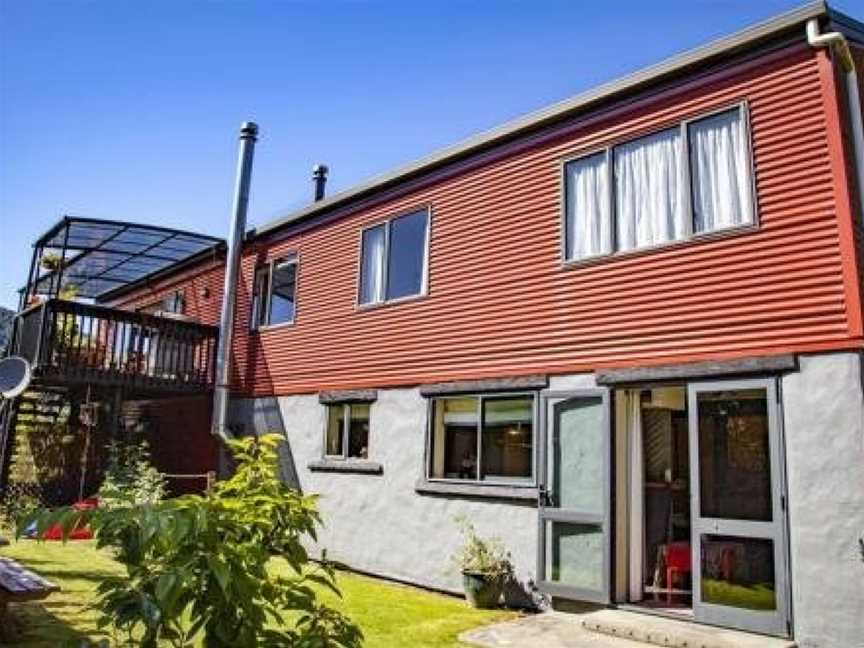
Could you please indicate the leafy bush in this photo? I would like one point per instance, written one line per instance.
(483, 557)
(196, 565)
(130, 477)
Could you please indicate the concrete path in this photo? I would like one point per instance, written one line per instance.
(546, 630)
(611, 629)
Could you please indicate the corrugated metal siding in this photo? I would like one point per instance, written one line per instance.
(500, 303)
(201, 287)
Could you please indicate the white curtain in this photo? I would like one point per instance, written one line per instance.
(637, 495)
(588, 221)
(372, 271)
(649, 193)
(720, 172)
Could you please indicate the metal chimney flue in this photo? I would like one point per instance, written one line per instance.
(319, 180)
(248, 136)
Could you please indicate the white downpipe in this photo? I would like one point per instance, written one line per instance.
(838, 43)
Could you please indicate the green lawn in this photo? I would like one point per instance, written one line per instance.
(388, 614)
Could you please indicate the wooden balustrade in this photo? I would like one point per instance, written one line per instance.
(79, 342)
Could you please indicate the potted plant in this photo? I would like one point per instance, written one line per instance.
(485, 566)
(51, 261)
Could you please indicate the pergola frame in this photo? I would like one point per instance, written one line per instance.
(116, 254)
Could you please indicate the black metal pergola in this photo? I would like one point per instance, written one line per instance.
(97, 257)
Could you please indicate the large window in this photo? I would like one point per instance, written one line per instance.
(347, 434)
(393, 259)
(483, 438)
(694, 178)
(274, 293)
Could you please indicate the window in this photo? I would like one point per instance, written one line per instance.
(170, 303)
(393, 259)
(663, 187)
(274, 291)
(483, 438)
(347, 434)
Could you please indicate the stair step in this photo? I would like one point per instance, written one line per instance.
(673, 633)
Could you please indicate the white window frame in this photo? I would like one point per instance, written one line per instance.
(264, 300)
(686, 180)
(346, 431)
(424, 281)
(481, 397)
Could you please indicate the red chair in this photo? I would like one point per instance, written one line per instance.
(677, 563)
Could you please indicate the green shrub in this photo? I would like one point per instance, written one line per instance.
(130, 477)
(196, 565)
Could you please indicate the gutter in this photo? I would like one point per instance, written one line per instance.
(840, 47)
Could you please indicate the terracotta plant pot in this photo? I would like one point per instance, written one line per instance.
(481, 591)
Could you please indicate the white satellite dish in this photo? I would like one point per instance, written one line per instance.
(14, 376)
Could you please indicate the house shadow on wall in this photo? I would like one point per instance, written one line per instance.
(256, 417)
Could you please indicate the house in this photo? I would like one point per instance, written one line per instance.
(623, 333)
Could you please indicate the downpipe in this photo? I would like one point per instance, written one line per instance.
(221, 391)
(840, 46)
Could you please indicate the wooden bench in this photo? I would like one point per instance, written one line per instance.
(18, 585)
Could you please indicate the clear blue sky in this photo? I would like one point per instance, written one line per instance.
(130, 110)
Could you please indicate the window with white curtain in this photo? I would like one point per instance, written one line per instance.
(393, 259)
(720, 172)
(650, 205)
(693, 178)
(588, 209)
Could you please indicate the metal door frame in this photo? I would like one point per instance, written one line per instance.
(779, 621)
(550, 403)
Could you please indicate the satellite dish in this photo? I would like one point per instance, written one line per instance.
(14, 376)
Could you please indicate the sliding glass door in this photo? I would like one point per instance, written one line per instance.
(738, 506)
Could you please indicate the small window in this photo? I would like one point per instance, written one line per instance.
(693, 178)
(347, 431)
(483, 438)
(170, 303)
(274, 293)
(393, 259)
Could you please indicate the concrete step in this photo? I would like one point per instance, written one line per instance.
(661, 631)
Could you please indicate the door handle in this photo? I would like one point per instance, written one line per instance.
(543, 498)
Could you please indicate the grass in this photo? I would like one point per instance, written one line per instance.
(388, 614)
(754, 597)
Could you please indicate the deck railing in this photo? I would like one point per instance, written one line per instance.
(71, 341)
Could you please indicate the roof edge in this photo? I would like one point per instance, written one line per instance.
(536, 119)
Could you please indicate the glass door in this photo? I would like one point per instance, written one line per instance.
(738, 506)
(573, 548)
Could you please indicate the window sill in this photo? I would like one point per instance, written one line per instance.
(390, 302)
(272, 327)
(358, 466)
(489, 491)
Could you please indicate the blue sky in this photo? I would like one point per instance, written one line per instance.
(130, 110)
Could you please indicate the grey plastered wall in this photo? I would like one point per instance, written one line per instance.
(824, 431)
(379, 523)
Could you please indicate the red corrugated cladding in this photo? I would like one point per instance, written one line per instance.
(500, 302)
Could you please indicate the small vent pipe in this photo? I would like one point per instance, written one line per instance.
(319, 180)
(248, 137)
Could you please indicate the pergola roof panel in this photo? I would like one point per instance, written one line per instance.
(105, 255)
